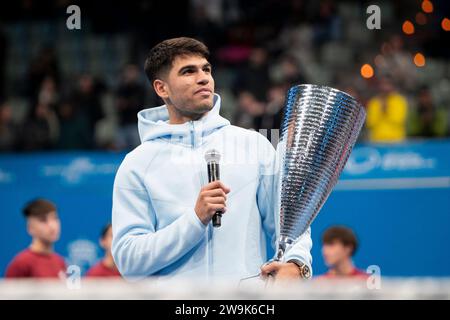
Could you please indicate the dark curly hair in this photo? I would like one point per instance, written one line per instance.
(160, 58)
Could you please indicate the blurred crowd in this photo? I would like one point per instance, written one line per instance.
(61, 90)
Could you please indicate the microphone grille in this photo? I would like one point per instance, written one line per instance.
(212, 155)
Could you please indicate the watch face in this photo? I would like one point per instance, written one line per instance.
(306, 273)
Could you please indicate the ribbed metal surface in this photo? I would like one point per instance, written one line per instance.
(319, 129)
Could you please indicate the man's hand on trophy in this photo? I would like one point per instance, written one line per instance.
(280, 270)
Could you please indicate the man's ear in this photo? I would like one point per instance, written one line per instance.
(161, 89)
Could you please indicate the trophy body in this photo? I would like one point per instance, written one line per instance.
(319, 129)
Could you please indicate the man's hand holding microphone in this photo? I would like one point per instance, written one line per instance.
(211, 202)
(211, 199)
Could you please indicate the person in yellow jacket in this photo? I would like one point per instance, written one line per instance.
(387, 114)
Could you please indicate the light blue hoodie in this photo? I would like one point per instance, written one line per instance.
(155, 228)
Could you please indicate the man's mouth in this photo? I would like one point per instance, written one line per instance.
(203, 91)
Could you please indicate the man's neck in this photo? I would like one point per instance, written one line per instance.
(176, 117)
(39, 246)
(343, 268)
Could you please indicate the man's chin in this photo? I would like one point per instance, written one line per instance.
(204, 107)
(208, 107)
(51, 240)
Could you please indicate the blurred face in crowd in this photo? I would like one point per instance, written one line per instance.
(42, 111)
(5, 113)
(86, 84)
(47, 94)
(131, 74)
(106, 241)
(45, 228)
(188, 86)
(289, 68)
(258, 57)
(335, 252)
(276, 95)
(66, 110)
(249, 104)
(397, 42)
(425, 98)
(48, 84)
(386, 86)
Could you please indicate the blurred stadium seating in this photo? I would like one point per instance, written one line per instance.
(327, 42)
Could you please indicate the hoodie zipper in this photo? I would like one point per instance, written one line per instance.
(209, 227)
(192, 134)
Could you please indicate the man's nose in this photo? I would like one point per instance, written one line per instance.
(203, 79)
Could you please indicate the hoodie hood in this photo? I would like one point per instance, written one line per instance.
(153, 124)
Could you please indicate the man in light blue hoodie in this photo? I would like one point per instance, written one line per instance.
(162, 201)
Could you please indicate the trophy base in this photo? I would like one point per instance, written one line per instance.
(253, 282)
(256, 280)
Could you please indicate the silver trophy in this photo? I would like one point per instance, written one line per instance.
(319, 129)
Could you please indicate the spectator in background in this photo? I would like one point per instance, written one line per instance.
(8, 129)
(250, 111)
(106, 267)
(326, 26)
(40, 131)
(251, 88)
(339, 244)
(3, 51)
(273, 112)
(48, 93)
(387, 113)
(73, 124)
(39, 260)
(205, 18)
(429, 120)
(43, 66)
(254, 77)
(396, 60)
(130, 100)
(290, 71)
(86, 100)
(352, 91)
(286, 75)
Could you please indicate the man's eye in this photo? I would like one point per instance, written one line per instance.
(188, 71)
(208, 70)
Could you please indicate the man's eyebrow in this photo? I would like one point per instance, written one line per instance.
(193, 66)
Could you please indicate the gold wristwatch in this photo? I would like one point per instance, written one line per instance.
(305, 271)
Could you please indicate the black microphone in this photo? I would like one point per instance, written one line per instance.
(212, 158)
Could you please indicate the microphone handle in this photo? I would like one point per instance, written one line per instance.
(213, 175)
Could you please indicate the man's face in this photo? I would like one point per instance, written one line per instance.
(335, 252)
(106, 241)
(188, 86)
(45, 228)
